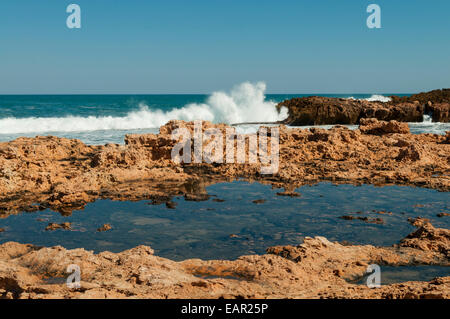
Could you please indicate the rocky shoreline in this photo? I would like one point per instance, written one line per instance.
(317, 268)
(66, 174)
(316, 110)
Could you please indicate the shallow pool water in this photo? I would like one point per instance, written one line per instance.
(230, 224)
(392, 275)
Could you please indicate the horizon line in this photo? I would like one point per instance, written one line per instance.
(117, 94)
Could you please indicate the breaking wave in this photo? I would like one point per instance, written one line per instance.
(245, 103)
(373, 98)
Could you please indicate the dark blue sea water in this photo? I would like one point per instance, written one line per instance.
(100, 119)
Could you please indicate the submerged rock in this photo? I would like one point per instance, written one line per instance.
(364, 219)
(105, 227)
(171, 205)
(258, 201)
(54, 226)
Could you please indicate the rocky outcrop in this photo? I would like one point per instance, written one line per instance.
(63, 174)
(375, 127)
(402, 112)
(427, 238)
(435, 96)
(317, 268)
(436, 102)
(317, 110)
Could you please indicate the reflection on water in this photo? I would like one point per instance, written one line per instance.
(235, 221)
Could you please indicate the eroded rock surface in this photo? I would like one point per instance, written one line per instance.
(55, 226)
(104, 228)
(317, 268)
(65, 174)
(317, 110)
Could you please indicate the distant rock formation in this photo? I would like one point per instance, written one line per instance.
(317, 110)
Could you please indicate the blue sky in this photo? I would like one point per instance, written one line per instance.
(196, 46)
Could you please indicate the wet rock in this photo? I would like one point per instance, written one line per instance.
(105, 227)
(218, 200)
(383, 212)
(447, 138)
(31, 209)
(196, 197)
(364, 219)
(55, 226)
(289, 194)
(443, 214)
(159, 199)
(258, 201)
(171, 205)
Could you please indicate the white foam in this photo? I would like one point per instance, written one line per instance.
(373, 98)
(245, 103)
(427, 119)
(380, 98)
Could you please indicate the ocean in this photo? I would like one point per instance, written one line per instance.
(101, 119)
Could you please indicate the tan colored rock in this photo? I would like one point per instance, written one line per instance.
(55, 226)
(428, 238)
(317, 268)
(104, 228)
(64, 175)
(375, 127)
